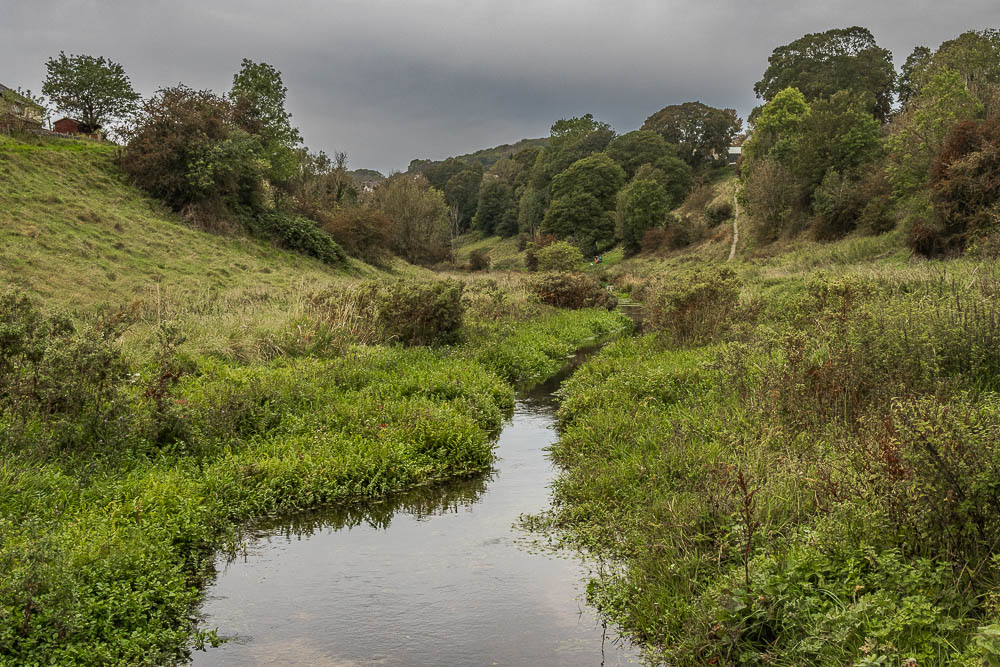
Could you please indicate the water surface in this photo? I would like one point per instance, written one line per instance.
(438, 576)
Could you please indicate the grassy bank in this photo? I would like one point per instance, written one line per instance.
(796, 467)
(112, 515)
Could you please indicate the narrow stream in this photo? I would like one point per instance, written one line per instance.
(438, 576)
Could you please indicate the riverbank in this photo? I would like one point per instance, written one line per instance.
(437, 575)
(794, 467)
(106, 545)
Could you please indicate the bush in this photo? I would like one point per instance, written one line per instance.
(965, 184)
(420, 313)
(59, 384)
(843, 203)
(365, 233)
(676, 234)
(697, 309)
(719, 211)
(559, 256)
(478, 261)
(293, 232)
(572, 290)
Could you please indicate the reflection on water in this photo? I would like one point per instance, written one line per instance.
(436, 576)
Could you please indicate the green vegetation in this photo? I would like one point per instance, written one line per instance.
(794, 466)
(163, 386)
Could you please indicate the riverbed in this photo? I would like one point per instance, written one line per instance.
(438, 576)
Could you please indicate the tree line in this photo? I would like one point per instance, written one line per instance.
(841, 143)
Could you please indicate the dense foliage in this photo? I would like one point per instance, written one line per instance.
(94, 90)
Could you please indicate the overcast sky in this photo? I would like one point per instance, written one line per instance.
(390, 81)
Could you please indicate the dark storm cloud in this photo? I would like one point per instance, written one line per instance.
(390, 81)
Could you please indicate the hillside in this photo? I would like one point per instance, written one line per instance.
(75, 233)
(485, 156)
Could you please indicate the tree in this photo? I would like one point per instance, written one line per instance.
(419, 216)
(820, 64)
(918, 135)
(570, 140)
(975, 55)
(320, 183)
(258, 99)
(673, 174)
(439, 173)
(697, 130)
(838, 134)
(642, 205)
(184, 150)
(912, 74)
(96, 91)
(597, 175)
(581, 217)
(497, 211)
(462, 192)
(634, 149)
(777, 127)
(362, 232)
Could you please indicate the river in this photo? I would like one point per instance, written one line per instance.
(438, 576)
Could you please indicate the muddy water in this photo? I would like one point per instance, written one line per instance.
(439, 576)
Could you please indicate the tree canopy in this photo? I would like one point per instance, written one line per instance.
(258, 99)
(96, 91)
(634, 149)
(642, 205)
(820, 64)
(697, 130)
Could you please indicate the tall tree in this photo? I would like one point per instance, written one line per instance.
(597, 175)
(462, 193)
(911, 75)
(777, 126)
(634, 149)
(497, 212)
(419, 218)
(94, 90)
(820, 64)
(258, 99)
(698, 130)
(642, 205)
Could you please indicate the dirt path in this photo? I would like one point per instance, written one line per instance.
(736, 228)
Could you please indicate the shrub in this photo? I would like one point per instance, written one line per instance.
(572, 290)
(696, 309)
(478, 261)
(365, 233)
(293, 232)
(559, 256)
(60, 383)
(843, 203)
(719, 210)
(420, 313)
(769, 196)
(965, 183)
(676, 234)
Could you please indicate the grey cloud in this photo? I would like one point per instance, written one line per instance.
(390, 81)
